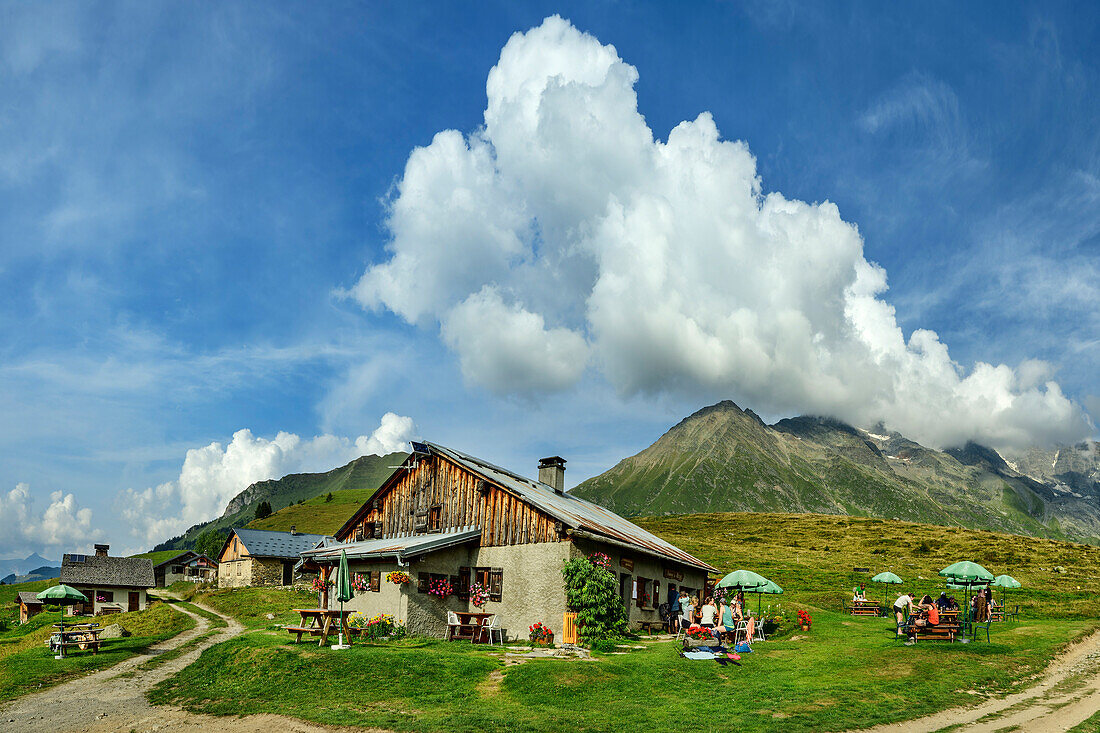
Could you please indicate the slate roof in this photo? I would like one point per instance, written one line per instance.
(127, 572)
(267, 543)
(29, 598)
(394, 546)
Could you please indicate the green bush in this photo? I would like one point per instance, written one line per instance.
(591, 591)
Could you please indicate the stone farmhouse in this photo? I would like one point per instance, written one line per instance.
(112, 584)
(262, 557)
(188, 565)
(446, 515)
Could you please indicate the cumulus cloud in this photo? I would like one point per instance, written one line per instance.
(214, 474)
(563, 235)
(61, 525)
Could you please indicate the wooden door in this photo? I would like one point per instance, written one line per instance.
(134, 601)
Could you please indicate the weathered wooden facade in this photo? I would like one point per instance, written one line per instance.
(445, 515)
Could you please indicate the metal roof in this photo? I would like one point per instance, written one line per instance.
(267, 543)
(572, 510)
(28, 598)
(395, 546)
(128, 572)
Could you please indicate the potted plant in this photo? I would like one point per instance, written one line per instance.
(541, 635)
(397, 577)
(360, 584)
(804, 620)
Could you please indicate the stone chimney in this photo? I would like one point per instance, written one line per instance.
(293, 529)
(552, 472)
(101, 550)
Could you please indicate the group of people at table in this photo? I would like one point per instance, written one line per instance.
(718, 617)
(914, 616)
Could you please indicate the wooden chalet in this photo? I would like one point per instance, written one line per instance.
(29, 605)
(446, 515)
(189, 566)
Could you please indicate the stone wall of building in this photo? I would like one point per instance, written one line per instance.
(267, 571)
(630, 567)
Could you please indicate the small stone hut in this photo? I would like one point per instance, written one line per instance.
(446, 515)
(112, 584)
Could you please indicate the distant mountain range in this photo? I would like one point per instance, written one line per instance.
(366, 472)
(41, 573)
(24, 566)
(723, 458)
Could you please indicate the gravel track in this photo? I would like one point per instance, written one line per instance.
(1067, 693)
(114, 699)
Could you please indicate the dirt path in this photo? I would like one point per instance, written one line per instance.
(1066, 694)
(114, 699)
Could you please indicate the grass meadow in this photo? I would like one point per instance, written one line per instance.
(26, 663)
(846, 672)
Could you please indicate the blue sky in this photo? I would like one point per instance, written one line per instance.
(194, 199)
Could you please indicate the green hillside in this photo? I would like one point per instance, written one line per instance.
(363, 474)
(317, 515)
(159, 556)
(724, 459)
(813, 557)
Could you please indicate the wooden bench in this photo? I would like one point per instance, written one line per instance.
(649, 626)
(299, 630)
(939, 632)
(863, 610)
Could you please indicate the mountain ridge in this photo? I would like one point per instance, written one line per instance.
(724, 458)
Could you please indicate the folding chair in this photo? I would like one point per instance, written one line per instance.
(452, 624)
(681, 631)
(493, 624)
(741, 633)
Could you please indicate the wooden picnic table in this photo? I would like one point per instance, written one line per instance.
(863, 607)
(82, 636)
(318, 622)
(471, 624)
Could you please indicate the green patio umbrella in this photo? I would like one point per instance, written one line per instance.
(889, 579)
(743, 580)
(61, 595)
(1004, 582)
(771, 588)
(343, 589)
(968, 574)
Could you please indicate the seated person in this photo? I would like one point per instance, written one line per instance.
(929, 616)
(859, 594)
(952, 604)
(941, 602)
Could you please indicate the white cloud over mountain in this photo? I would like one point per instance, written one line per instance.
(214, 474)
(62, 525)
(563, 236)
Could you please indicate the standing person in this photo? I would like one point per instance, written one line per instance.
(981, 608)
(696, 610)
(684, 619)
(673, 613)
(902, 606)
